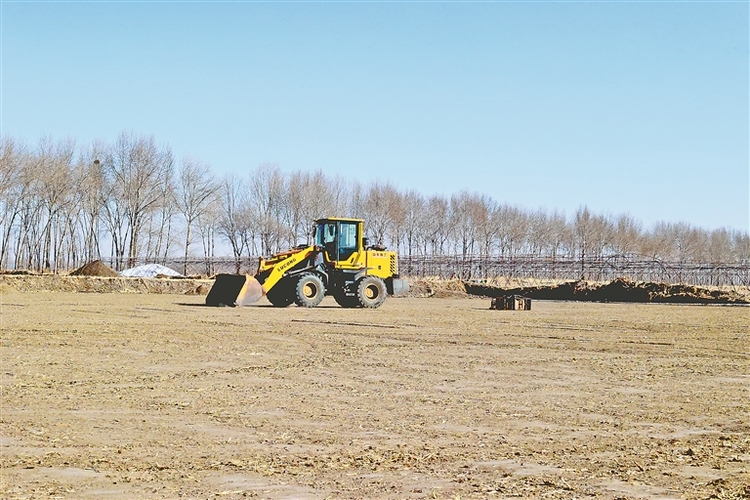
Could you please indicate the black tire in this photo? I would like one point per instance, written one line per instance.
(309, 291)
(282, 294)
(371, 292)
(346, 301)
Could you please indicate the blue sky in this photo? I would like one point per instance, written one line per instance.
(627, 107)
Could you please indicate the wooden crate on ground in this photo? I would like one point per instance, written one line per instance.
(511, 303)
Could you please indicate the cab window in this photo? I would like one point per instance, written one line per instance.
(325, 237)
(347, 240)
(325, 233)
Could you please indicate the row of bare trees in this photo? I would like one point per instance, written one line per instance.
(129, 201)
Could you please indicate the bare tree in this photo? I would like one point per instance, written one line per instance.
(91, 187)
(137, 171)
(603, 235)
(513, 229)
(397, 214)
(436, 231)
(561, 236)
(741, 246)
(376, 205)
(53, 168)
(414, 216)
(208, 227)
(267, 189)
(584, 232)
(539, 234)
(627, 235)
(462, 223)
(294, 208)
(235, 215)
(484, 211)
(162, 227)
(656, 244)
(719, 246)
(197, 189)
(14, 185)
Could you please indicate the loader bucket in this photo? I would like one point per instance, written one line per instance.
(234, 290)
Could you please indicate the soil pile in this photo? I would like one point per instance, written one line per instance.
(618, 290)
(437, 288)
(95, 268)
(102, 284)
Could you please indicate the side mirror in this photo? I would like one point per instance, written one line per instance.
(365, 242)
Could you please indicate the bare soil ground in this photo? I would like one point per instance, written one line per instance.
(132, 395)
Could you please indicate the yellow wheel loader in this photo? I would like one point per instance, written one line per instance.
(340, 262)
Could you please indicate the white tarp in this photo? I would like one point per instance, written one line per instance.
(149, 271)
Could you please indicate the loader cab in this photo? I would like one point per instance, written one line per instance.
(340, 239)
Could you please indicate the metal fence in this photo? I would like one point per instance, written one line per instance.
(600, 269)
(478, 268)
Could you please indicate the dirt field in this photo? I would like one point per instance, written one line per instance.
(119, 396)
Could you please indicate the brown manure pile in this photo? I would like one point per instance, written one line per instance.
(618, 290)
(95, 268)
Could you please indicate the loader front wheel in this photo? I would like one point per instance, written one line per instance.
(282, 295)
(310, 290)
(371, 292)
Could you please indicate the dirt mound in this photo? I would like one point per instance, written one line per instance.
(102, 284)
(17, 272)
(95, 268)
(427, 287)
(618, 290)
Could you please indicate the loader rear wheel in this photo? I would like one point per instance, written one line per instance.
(371, 292)
(281, 295)
(310, 290)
